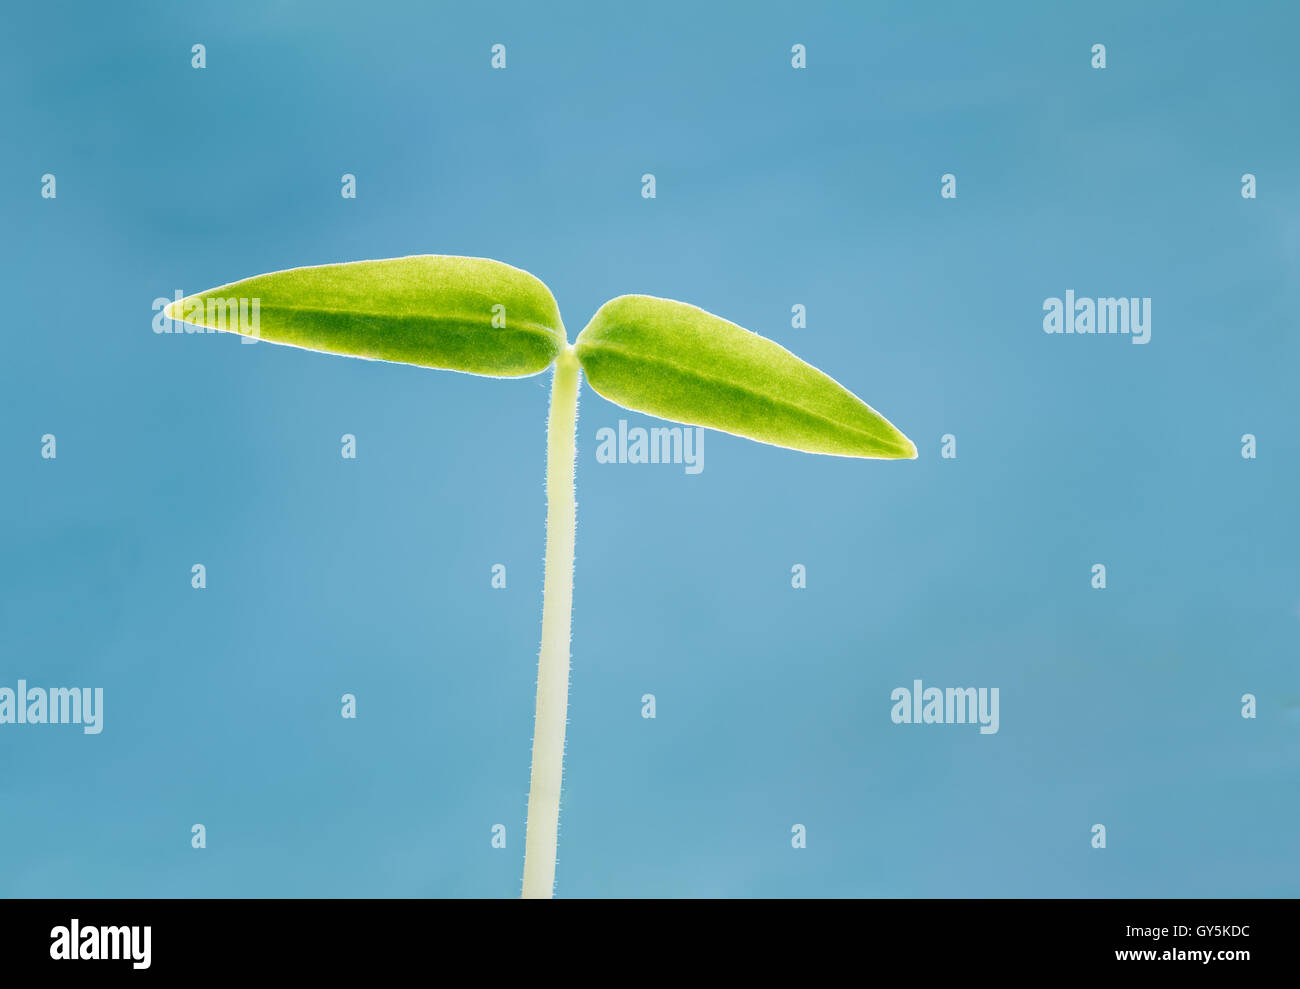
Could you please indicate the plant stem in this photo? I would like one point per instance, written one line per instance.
(557, 612)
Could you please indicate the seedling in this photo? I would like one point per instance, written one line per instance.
(650, 355)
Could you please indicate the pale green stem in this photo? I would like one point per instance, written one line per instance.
(557, 612)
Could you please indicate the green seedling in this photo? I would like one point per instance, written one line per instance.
(650, 355)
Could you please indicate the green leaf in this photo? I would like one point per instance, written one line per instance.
(465, 314)
(679, 362)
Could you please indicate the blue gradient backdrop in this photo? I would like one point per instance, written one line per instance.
(775, 187)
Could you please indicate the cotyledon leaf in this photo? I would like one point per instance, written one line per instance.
(678, 362)
(463, 314)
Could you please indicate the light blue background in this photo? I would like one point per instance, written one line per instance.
(775, 187)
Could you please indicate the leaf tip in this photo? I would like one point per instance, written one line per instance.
(895, 445)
